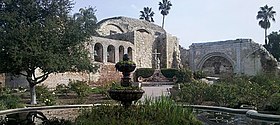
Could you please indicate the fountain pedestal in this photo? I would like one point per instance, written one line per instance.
(126, 93)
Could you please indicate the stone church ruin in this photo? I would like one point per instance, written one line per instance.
(118, 36)
(143, 41)
(223, 58)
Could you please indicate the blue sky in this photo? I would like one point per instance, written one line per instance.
(195, 21)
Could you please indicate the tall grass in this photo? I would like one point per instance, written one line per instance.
(161, 111)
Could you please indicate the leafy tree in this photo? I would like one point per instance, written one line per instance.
(147, 14)
(39, 38)
(273, 45)
(86, 17)
(164, 8)
(265, 14)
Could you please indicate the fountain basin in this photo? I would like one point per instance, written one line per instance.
(125, 95)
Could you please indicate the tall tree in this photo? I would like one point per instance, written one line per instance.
(273, 45)
(39, 35)
(86, 17)
(265, 14)
(147, 14)
(164, 8)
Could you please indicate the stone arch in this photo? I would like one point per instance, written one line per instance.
(98, 52)
(129, 52)
(216, 64)
(115, 28)
(121, 52)
(111, 54)
(143, 31)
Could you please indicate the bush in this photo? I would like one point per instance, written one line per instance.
(184, 75)
(199, 74)
(232, 92)
(143, 72)
(62, 89)
(193, 92)
(9, 101)
(274, 101)
(80, 88)
(169, 73)
(158, 112)
(45, 95)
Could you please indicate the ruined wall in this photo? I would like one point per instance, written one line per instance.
(129, 36)
(184, 55)
(244, 56)
(105, 42)
(144, 49)
(173, 52)
(124, 24)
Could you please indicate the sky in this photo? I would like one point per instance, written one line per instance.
(195, 21)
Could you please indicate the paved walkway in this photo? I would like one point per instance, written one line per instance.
(155, 91)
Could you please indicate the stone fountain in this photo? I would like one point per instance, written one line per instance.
(126, 93)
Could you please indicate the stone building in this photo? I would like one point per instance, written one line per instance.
(241, 56)
(138, 38)
(117, 36)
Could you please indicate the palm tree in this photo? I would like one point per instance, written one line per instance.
(147, 14)
(265, 15)
(86, 17)
(164, 8)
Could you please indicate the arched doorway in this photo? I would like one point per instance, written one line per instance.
(129, 52)
(98, 52)
(111, 54)
(217, 66)
(121, 53)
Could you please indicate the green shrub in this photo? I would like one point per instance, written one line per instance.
(274, 102)
(193, 92)
(45, 95)
(169, 73)
(232, 92)
(143, 72)
(2, 105)
(62, 89)
(159, 112)
(10, 101)
(199, 74)
(184, 75)
(80, 88)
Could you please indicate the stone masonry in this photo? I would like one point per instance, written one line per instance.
(241, 56)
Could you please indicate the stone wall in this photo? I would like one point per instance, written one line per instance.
(173, 52)
(107, 74)
(124, 25)
(184, 55)
(105, 42)
(144, 48)
(243, 56)
(129, 36)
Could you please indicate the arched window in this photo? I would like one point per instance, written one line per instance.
(121, 53)
(129, 52)
(98, 52)
(111, 54)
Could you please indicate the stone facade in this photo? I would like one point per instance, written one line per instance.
(144, 37)
(116, 37)
(241, 56)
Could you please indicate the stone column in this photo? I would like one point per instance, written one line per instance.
(117, 54)
(105, 53)
(191, 58)
(238, 58)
